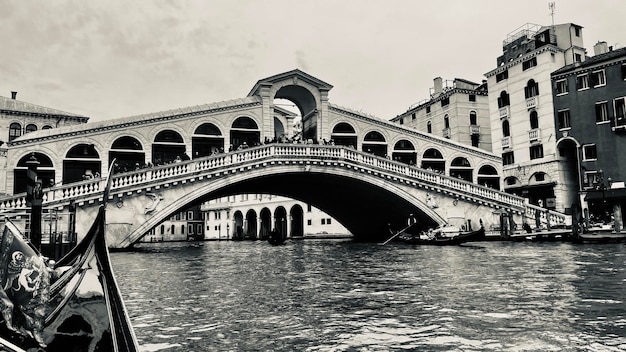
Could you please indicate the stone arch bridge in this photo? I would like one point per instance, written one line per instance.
(365, 192)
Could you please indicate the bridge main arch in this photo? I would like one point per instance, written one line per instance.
(364, 203)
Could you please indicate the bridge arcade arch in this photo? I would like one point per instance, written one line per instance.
(81, 162)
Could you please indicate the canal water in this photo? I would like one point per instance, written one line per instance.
(331, 295)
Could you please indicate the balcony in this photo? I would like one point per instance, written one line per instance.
(532, 102)
(474, 129)
(504, 112)
(534, 135)
(506, 142)
(447, 133)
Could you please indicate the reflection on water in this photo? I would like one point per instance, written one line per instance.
(342, 296)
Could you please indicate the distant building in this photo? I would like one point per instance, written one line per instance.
(186, 225)
(253, 216)
(18, 118)
(590, 118)
(521, 111)
(458, 110)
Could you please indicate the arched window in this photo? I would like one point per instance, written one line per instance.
(446, 121)
(207, 139)
(374, 142)
(244, 132)
(503, 99)
(31, 128)
(534, 120)
(168, 146)
(473, 119)
(46, 127)
(429, 127)
(531, 89)
(15, 130)
(506, 132)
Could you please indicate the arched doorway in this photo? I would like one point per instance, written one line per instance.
(168, 145)
(206, 140)
(488, 176)
(81, 162)
(306, 104)
(238, 225)
(432, 159)
(244, 132)
(251, 227)
(460, 168)
(280, 220)
(404, 151)
(374, 142)
(266, 223)
(45, 172)
(570, 178)
(296, 214)
(127, 152)
(344, 134)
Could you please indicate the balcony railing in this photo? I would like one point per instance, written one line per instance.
(474, 129)
(447, 133)
(532, 102)
(534, 135)
(506, 142)
(504, 112)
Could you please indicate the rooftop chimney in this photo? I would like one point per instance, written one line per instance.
(13, 95)
(600, 48)
(438, 86)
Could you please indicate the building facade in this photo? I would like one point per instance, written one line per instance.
(590, 119)
(521, 111)
(253, 216)
(18, 118)
(458, 110)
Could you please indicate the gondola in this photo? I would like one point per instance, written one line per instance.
(436, 238)
(72, 305)
(275, 238)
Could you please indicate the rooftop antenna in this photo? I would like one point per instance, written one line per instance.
(552, 6)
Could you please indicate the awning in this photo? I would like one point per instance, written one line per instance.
(609, 194)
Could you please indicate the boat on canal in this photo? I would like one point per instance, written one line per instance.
(73, 304)
(275, 238)
(445, 236)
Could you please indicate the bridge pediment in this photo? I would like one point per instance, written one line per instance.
(289, 78)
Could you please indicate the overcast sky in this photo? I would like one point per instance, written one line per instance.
(111, 59)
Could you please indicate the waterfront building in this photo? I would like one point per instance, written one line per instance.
(186, 225)
(253, 216)
(590, 120)
(457, 109)
(521, 111)
(18, 118)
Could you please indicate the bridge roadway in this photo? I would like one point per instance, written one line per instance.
(364, 192)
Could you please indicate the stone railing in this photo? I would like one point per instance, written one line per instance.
(91, 190)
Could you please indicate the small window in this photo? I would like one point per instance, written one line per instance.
(534, 120)
(561, 87)
(502, 76)
(506, 130)
(503, 99)
(577, 31)
(590, 152)
(536, 152)
(308, 222)
(401, 120)
(15, 130)
(508, 158)
(564, 119)
(413, 117)
(472, 97)
(328, 221)
(445, 101)
(446, 121)
(323, 221)
(190, 215)
(598, 79)
(582, 82)
(473, 119)
(308, 208)
(578, 58)
(531, 89)
(532, 62)
(602, 112)
(428, 109)
(620, 110)
(624, 72)
(429, 127)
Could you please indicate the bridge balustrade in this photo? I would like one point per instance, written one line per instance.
(90, 189)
